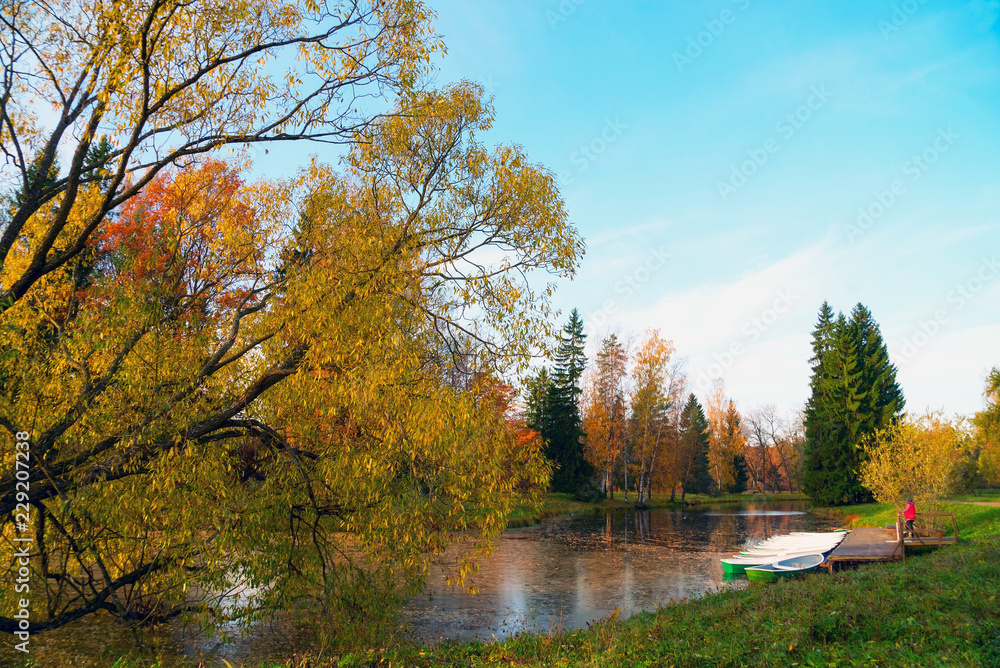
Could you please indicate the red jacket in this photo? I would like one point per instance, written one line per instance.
(910, 512)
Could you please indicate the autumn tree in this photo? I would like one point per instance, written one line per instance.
(775, 452)
(927, 457)
(987, 424)
(196, 372)
(604, 412)
(732, 457)
(163, 81)
(726, 443)
(649, 420)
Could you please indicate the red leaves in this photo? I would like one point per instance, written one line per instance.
(187, 238)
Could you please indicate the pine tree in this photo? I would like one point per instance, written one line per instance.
(536, 393)
(561, 426)
(854, 393)
(883, 399)
(741, 475)
(693, 445)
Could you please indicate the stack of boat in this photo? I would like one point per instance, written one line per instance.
(784, 556)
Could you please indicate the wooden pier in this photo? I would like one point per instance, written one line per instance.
(865, 546)
(890, 544)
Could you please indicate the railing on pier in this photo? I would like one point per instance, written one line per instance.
(928, 529)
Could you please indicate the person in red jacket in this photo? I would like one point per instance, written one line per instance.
(909, 514)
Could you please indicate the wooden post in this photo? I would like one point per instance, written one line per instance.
(900, 544)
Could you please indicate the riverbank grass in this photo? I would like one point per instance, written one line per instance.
(974, 522)
(936, 610)
(940, 609)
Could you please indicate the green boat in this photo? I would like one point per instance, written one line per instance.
(767, 573)
(784, 569)
(777, 548)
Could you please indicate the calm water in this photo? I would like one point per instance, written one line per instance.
(568, 572)
(561, 574)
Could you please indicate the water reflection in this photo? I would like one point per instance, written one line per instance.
(563, 573)
(567, 572)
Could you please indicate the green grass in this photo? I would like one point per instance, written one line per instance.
(936, 610)
(974, 522)
(988, 495)
(940, 609)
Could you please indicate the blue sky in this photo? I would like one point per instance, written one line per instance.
(733, 163)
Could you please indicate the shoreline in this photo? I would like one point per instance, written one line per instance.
(936, 609)
(556, 505)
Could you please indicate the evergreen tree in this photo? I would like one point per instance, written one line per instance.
(882, 400)
(693, 444)
(740, 474)
(561, 424)
(536, 393)
(854, 393)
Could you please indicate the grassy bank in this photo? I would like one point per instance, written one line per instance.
(936, 610)
(564, 504)
(940, 609)
(977, 495)
(974, 522)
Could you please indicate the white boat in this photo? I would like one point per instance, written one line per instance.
(791, 547)
(800, 563)
(781, 548)
(784, 568)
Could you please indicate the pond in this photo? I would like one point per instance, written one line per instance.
(568, 572)
(561, 574)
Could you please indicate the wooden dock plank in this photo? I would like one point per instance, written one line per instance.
(867, 545)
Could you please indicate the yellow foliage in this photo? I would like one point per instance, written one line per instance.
(987, 424)
(926, 457)
(222, 402)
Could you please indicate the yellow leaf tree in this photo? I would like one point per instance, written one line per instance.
(726, 441)
(604, 420)
(120, 91)
(926, 457)
(987, 424)
(650, 428)
(285, 386)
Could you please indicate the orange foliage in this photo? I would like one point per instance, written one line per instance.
(186, 237)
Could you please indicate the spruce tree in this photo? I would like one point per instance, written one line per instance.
(883, 399)
(693, 428)
(536, 393)
(740, 475)
(854, 393)
(561, 426)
